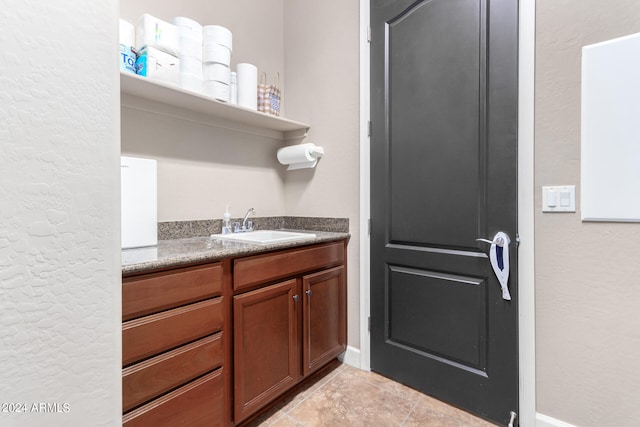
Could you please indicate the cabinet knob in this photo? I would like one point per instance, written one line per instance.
(308, 292)
(296, 298)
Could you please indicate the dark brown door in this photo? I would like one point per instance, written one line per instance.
(443, 173)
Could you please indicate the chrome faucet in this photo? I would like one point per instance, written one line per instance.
(246, 225)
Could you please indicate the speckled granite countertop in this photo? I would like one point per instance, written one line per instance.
(194, 250)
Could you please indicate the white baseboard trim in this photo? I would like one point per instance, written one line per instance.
(351, 357)
(547, 421)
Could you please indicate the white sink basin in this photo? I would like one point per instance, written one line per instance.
(265, 237)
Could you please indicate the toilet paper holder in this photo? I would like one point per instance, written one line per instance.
(302, 156)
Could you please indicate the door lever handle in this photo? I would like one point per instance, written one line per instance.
(498, 241)
(499, 258)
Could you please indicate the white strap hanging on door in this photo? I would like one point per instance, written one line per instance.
(499, 257)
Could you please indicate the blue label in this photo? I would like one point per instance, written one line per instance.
(141, 64)
(127, 59)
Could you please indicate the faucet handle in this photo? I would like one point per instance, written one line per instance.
(236, 227)
(249, 225)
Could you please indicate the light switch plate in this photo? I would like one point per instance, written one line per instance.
(559, 198)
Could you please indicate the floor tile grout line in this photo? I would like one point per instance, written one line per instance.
(417, 393)
(397, 394)
(378, 382)
(331, 376)
(408, 414)
(284, 413)
(413, 402)
(294, 419)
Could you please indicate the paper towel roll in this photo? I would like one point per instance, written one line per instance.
(190, 35)
(217, 90)
(216, 53)
(190, 47)
(216, 34)
(191, 65)
(218, 72)
(191, 82)
(187, 24)
(300, 156)
(247, 85)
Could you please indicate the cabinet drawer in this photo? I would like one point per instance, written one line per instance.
(257, 269)
(199, 403)
(150, 335)
(151, 378)
(161, 291)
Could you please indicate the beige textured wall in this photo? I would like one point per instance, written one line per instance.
(202, 168)
(587, 274)
(322, 68)
(60, 273)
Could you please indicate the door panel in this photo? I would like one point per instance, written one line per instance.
(433, 119)
(450, 309)
(443, 173)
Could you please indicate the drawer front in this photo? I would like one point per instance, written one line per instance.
(151, 378)
(161, 291)
(151, 335)
(199, 403)
(257, 269)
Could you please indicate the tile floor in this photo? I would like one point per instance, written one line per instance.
(346, 396)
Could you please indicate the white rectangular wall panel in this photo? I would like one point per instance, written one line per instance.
(139, 206)
(610, 153)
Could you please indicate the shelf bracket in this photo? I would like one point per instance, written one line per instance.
(295, 134)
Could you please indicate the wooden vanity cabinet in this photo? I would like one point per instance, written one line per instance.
(271, 320)
(286, 328)
(173, 348)
(324, 326)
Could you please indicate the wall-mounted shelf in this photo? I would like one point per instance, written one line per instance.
(167, 99)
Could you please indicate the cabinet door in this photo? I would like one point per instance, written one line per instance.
(265, 345)
(324, 328)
